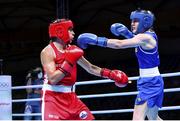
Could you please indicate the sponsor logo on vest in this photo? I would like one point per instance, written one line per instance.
(53, 116)
(83, 114)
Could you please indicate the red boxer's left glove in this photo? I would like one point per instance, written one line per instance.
(72, 54)
(120, 78)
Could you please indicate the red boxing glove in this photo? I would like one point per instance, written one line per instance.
(72, 54)
(120, 78)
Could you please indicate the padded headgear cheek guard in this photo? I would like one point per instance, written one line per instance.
(145, 18)
(60, 29)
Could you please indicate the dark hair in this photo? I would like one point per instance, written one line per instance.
(59, 20)
(53, 39)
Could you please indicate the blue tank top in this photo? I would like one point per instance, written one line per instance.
(148, 58)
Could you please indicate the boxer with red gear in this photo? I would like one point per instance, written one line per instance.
(59, 60)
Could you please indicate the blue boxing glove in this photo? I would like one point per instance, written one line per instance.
(86, 39)
(119, 29)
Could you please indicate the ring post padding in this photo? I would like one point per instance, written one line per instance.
(5, 98)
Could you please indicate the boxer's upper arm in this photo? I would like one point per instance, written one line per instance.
(84, 63)
(146, 41)
(47, 60)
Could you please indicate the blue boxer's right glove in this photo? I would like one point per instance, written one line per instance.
(88, 38)
(119, 29)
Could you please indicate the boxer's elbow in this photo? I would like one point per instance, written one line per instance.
(117, 46)
(52, 81)
(121, 45)
(55, 78)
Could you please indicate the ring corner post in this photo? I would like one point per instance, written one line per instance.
(5, 97)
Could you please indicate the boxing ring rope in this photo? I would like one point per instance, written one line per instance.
(100, 95)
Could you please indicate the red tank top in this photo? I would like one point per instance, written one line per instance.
(69, 79)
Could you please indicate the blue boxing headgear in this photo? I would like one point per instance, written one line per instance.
(145, 18)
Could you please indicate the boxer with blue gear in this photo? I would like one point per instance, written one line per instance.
(145, 18)
(150, 85)
(119, 29)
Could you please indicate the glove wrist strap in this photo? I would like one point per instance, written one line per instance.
(102, 41)
(66, 67)
(105, 72)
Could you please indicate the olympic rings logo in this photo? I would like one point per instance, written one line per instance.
(3, 84)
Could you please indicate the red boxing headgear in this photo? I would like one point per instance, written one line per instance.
(60, 28)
